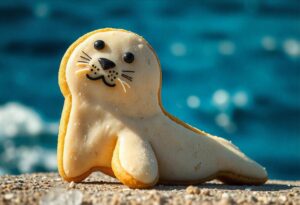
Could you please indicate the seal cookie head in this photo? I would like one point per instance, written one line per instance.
(114, 66)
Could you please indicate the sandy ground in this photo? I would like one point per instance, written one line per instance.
(48, 189)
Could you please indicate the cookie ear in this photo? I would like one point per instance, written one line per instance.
(134, 162)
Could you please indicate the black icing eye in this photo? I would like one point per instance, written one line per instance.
(99, 44)
(128, 57)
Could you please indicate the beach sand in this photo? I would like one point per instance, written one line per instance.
(43, 188)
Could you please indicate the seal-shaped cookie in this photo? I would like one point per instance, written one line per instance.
(113, 121)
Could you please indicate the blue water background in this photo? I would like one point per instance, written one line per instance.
(231, 68)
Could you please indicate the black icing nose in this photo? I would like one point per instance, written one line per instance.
(106, 64)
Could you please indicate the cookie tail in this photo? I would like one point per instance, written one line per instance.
(237, 168)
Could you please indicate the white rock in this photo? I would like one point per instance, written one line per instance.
(72, 185)
(61, 196)
(8, 196)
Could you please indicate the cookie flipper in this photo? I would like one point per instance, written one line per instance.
(134, 162)
(237, 168)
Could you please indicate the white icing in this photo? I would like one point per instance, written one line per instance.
(130, 112)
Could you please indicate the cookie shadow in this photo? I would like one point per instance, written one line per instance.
(100, 183)
(210, 185)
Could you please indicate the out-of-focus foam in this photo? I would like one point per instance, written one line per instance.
(17, 119)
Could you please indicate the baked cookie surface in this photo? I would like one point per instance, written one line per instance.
(113, 121)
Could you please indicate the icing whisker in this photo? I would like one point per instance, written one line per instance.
(128, 71)
(85, 58)
(80, 64)
(126, 76)
(123, 83)
(82, 71)
(83, 62)
(87, 55)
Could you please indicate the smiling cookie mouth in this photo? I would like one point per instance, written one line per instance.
(100, 77)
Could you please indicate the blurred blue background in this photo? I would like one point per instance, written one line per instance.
(231, 68)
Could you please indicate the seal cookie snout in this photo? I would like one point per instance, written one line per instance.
(98, 68)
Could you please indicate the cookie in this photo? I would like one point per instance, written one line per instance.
(113, 121)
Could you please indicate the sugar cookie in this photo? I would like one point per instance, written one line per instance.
(113, 121)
